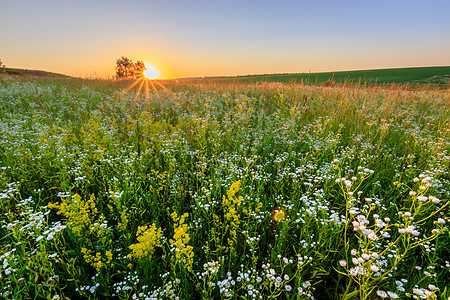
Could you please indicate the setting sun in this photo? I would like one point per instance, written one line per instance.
(150, 72)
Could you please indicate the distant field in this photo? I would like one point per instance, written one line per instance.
(434, 76)
(421, 75)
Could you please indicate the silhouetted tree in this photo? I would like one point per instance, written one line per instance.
(139, 68)
(125, 68)
(2, 66)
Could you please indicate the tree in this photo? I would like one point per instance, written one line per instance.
(2, 66)
(139, 68)
(125, 68)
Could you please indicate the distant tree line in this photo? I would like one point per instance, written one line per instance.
(126, 68)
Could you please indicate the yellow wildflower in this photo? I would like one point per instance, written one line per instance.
(148, 239)
(183, 252)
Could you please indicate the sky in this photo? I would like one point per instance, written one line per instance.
(223, 38)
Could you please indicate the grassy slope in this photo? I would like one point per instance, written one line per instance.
(32, 73)
(419, 75)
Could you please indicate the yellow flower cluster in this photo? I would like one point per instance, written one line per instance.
(85, 222)
(278, 214)
(79, 213)
(123, 223)
(231, 216)
(96, 260)
(183, 252)
(160, 181)
(148, 239)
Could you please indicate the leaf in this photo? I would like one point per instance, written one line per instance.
(351, 295)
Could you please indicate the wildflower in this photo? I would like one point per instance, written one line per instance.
(374, 268)
(353, 272)
(365, 256)
(385, 234)
(409, 229)
(434, 199)
(427, 179)
(184, 253)
(278, 214)
(288, 287)
(353, 252)
(441, 221)
(343, 263)
(422, 198)
(432, 287)
(392, 295)
(380, 223)
(372, 236)
(419, 292)
(148, 238)
(382, 294)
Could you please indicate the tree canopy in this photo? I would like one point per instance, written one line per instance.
(126, 68)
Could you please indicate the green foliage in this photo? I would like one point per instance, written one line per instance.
(220, 191)
(415, 76)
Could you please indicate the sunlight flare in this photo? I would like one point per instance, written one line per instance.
(150, 72)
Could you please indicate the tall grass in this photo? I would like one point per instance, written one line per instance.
(207, 190)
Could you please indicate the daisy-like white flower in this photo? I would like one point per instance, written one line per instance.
(382, 294)
(422, 198)
(392, 295)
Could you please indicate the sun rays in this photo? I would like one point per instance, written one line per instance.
(148, 87)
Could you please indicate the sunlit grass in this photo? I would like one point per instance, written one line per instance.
(155, 189)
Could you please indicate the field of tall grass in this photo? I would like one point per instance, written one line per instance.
(223, 191)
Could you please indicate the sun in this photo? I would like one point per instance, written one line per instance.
(150, 72)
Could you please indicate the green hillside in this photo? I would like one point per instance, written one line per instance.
(31, 73)
(419, 75)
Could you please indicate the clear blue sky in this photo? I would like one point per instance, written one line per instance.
(206, 38)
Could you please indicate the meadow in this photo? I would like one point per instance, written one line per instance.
(416, 76)
(207, 190)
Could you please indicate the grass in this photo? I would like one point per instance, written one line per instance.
(416, 76)
(222, 191)
(32, 73)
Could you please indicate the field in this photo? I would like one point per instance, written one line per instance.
(196, 190)
(433, 76)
